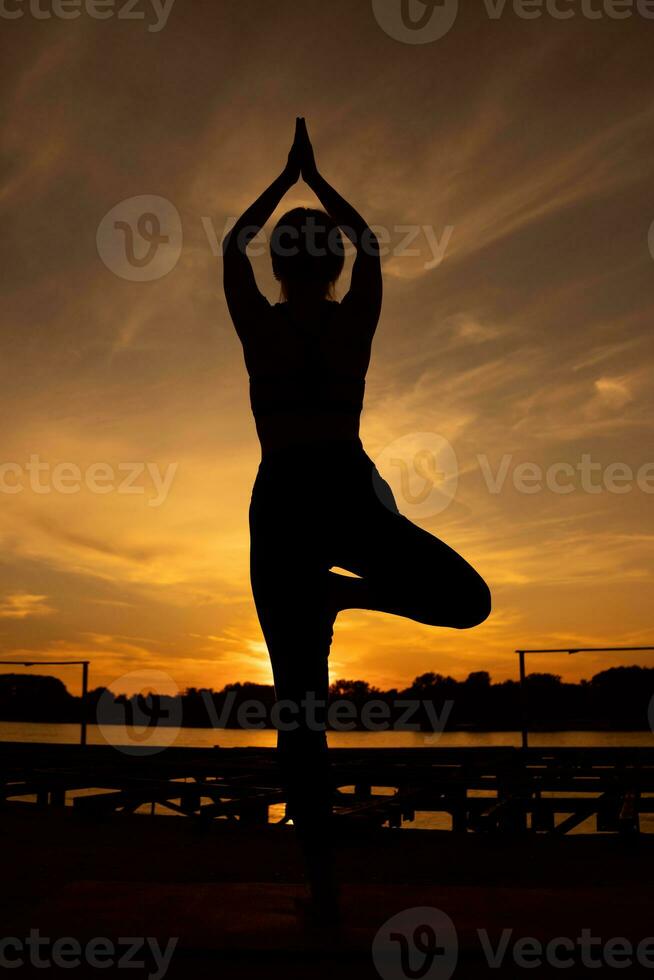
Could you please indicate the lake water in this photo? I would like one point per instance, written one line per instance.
(23, 731)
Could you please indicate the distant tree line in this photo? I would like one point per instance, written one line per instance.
(617, 698)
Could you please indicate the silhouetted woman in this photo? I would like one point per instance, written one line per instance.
(318, 501)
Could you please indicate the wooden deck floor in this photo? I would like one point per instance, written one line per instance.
(228, 892)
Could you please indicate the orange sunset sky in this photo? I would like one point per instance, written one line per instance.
(524, 146)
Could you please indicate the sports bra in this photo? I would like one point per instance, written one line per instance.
(311, 389)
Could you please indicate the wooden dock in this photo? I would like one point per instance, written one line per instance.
(80, 859)
(499, 790)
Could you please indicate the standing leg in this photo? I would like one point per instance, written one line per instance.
(289, 583)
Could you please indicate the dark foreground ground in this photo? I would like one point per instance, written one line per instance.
(227, 894)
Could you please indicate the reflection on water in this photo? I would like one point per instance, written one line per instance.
(23, 731)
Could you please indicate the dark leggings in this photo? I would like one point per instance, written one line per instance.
(311, 509)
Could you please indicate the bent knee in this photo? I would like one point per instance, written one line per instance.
(478, 607)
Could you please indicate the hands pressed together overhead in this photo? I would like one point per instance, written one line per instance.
(301, 162)
(365, 293)
(301, 159)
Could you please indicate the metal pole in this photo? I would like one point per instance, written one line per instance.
(570, 650)
(523, 700)
(85, 689)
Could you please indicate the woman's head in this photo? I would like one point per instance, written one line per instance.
(307, 253)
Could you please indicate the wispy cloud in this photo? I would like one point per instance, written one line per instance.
(23, 605)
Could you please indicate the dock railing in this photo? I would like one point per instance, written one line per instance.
(524, 700)
(84, 664)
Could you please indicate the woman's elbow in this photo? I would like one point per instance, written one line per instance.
(369, 243)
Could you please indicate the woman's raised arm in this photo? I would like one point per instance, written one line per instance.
(365, 294)
(244, 300)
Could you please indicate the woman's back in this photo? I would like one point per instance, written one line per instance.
(307, 364)
(307, 358)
